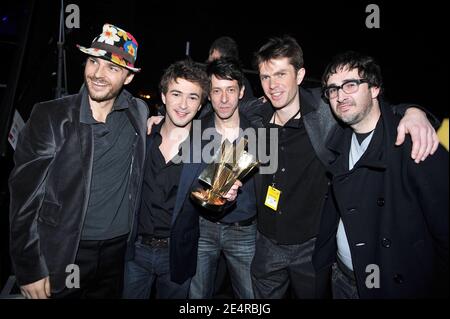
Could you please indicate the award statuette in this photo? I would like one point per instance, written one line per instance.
(230, 163)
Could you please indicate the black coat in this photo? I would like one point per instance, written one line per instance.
(395, 214)
(184, 227)
(50, 186)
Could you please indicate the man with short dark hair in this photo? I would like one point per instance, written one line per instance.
(386, 220)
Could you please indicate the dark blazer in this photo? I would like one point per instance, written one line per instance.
(395, 214)
(184, 231)
(50, 186)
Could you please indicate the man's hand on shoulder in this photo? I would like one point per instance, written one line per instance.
(153, 120)
(423, 136)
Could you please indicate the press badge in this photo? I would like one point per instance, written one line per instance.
(272, 197)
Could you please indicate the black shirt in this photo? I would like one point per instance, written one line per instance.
(301, 178)
(159, 190)
(108, 212)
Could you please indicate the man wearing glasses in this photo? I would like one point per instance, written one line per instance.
(385, 222)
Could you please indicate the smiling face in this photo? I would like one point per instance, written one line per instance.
(104, 79)
(359, 109)
(182, 100)
(280, 81)
(224, 96)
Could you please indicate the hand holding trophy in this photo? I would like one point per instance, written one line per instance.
(230, 163)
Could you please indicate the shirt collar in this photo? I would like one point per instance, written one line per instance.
(121, 102)
(157, 137)
(209, 121)
(267, 111)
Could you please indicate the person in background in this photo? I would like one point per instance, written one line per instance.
(227, 47)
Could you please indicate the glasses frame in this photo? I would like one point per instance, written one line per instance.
(358, 82)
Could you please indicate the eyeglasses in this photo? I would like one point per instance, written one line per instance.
(349, 87)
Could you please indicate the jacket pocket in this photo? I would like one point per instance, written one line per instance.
(50, 213)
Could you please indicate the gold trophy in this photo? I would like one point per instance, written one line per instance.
(230, 163)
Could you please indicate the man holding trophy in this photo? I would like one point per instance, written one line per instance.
(231, 231)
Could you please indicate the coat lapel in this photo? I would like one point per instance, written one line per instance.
(339, 145)
(133, 115)
(189, 173)
(318, 120)
(86, 140)
(86, 148)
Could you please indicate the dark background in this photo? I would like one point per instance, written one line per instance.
(409, 46)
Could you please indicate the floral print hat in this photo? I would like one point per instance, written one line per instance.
(115, 45)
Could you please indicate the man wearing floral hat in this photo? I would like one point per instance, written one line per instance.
(78, 170)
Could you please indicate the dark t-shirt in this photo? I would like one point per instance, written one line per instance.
(108, 212)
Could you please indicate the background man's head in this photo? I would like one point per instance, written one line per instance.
(227, 88)
(352, 83)
(223, 47)
(184, 86)
(280, 65)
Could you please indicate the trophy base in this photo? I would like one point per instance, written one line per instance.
(208, 200)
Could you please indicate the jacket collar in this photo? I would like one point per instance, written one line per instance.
(376, 155)
(209, 121)
(306, 106)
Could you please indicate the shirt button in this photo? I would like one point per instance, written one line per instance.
(283, 169)
(282, 148)
(398, 278)
(386, 243)
(380, 202)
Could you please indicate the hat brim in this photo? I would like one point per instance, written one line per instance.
(102, 54)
